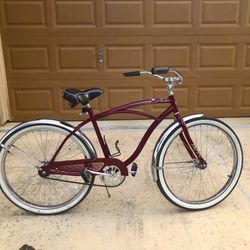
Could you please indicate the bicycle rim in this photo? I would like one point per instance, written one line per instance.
(19, 177)
(188, 186)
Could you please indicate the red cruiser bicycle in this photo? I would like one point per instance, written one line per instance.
(49, 166)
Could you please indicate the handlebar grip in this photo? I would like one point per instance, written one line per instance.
(132, 73)
(160, 70)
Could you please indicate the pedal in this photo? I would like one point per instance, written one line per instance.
(133, 170)
(85, 176)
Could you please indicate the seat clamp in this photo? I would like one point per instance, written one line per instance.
(85, 109)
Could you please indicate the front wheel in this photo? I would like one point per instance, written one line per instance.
(186, 185)
(26, 150)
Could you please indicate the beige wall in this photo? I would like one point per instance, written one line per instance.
(4, 99)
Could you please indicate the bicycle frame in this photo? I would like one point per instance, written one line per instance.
(74, 167)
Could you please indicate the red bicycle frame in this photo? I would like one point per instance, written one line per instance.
(74, 167)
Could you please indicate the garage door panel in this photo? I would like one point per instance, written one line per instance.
(124, 57)
(84, 14)
(25, 13)
(217, 56)
(23, 106)
(245, 97)
(124, 13)
(224, 13)
(165, 13)
(29, 58)
(76, 58)
(24, 100)
(115, 95)
(218, 96)
(246, 59)
(176, 56)
(211, 97)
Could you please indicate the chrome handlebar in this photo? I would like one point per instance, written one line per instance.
(171, 81)
(178, 79)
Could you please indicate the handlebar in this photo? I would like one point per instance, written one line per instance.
(156, 71)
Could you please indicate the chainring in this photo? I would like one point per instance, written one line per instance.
(114, 178)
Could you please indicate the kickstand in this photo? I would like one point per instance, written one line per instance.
(107, 191)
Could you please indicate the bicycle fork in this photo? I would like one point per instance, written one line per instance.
(192, 150)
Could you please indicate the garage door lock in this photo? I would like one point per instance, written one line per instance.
(100, 55)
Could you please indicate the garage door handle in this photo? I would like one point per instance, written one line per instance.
(100, 55)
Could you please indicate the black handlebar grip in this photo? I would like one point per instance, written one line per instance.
(160, 70)
(132, 73)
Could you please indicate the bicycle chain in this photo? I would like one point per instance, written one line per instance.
(79, 183)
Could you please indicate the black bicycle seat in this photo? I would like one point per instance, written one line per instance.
(75, 96)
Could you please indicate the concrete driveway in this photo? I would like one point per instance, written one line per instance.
(136, 216)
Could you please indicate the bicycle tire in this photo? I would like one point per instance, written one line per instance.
(196, 195)
(14, 164)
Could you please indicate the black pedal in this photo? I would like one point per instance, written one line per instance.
(133, 169)
(85, 176)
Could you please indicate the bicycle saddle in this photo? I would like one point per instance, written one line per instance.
(75, 96)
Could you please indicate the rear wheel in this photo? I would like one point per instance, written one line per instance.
(28, 149)
(188, 186)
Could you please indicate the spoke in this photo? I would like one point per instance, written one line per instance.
(212, 180)
(58, 142)
(218, 175)
(75, 156)
(31, 156)
(26, 187)
(39, 145)
(46, 142)
(51, 142)
(202, 185)
(62, 153)
(26, 146)
(195, 136)
(204, 143)
(31, 148)
(68, 188)
(42, 145)
(56, 192)
(189, 180)
(212, 146)
(36, 190)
